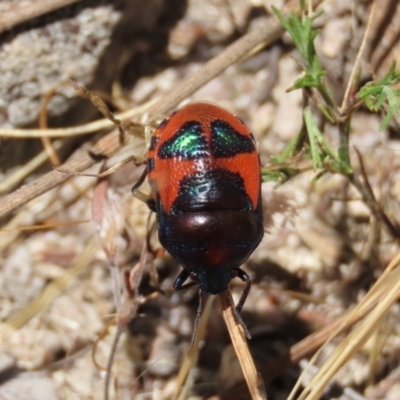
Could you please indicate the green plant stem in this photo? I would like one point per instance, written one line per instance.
(344, 139)
(326, 94)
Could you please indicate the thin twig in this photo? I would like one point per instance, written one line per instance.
(297, 352)
(110, 360)
(358, 58)
(43, 124)
(353, 342)
(126, 311)
(91, 127)
(23, 13)
(369, 198)
(14, 178)
(254, 380)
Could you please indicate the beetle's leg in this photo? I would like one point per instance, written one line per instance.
(104, 173)
(142, 196)
(236, 310)
(151, 228)
(139, 182)
(245, 278)
(154, 277)
(97, 101)
(180, 280)
(179, 285)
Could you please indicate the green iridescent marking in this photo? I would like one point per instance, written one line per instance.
(188, 143)
(227, 141)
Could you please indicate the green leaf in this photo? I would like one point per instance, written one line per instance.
(381, 95)
(313, 134)
(287, 152)
(303, 36)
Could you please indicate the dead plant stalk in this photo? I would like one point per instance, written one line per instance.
(254, 381)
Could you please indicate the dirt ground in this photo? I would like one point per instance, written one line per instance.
(64, 253)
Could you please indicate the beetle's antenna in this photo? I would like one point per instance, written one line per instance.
(197, 319)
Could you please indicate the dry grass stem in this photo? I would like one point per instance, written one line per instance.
(300, 350)
(44, 226)
(24, 13)
(43, 124)
(379, 299)
(91, 127)
(358, 58)
(254, 381)
(12, 180)
(127, 307)
(43, 209)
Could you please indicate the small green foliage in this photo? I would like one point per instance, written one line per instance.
(278, 175)
(309, 149)
(281, 169)
(321, 153)
(378, 96)
(303, 37)
(314, 135)
(286, 153)
(382, 95)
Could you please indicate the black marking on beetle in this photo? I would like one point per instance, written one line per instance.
(227, 141)
(163, 123)
(150, 165)
(211, 190)
(153, 142)
(189, 143)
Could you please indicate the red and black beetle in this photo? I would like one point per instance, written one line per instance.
(204, 173)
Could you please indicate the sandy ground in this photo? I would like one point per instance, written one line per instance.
(322, 249)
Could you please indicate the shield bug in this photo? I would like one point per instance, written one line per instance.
(204, 173)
